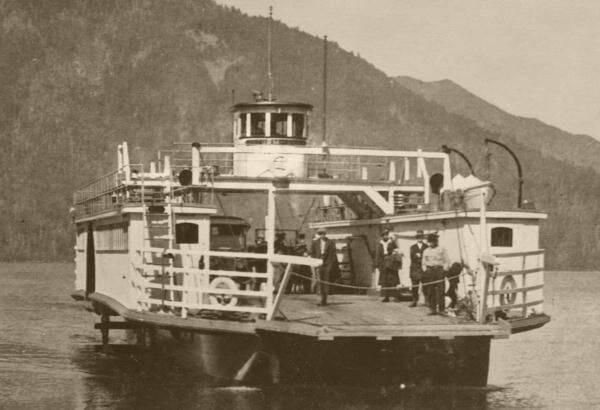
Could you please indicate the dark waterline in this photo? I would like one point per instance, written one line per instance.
(49, 358)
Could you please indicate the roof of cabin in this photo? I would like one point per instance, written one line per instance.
(274, 104)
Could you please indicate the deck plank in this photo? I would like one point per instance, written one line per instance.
(351, 310)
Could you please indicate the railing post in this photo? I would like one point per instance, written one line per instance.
(195, 163)
(125, 160)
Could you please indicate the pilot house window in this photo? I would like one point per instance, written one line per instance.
(298, 125)
(502, 236)
(278, 125)
(186, 232)
(257, 124)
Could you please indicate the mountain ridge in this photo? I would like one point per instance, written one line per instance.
(85, 75)
(549, 139)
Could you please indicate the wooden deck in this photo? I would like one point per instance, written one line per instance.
(346, 316)
(367, 316)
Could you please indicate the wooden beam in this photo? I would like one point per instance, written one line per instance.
(280, 291)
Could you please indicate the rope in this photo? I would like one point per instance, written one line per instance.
(377, 288)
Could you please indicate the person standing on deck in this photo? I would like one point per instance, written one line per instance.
(435, 262)
(416, 268)
(324, 248)
(388, 261)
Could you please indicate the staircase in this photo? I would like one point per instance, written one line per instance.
(159, 232)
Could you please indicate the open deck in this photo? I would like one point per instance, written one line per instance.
(346, 316)
(367, 316)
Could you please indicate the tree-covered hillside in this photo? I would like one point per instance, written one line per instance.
(77, 77)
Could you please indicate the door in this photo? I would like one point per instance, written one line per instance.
(90, 277)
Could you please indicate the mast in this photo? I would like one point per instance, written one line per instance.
(324, 141)
(269, 54)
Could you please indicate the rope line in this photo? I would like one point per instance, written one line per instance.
(341, 285)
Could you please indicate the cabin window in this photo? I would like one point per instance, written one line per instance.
(230, 237)
(502, 236)
(278, 125)
(186, 232)
(298, 125)
(257, 124)
(112, 237)
(242, 126)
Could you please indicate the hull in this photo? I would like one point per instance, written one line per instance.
(272, 358)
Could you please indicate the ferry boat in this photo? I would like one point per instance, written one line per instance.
(164, 250)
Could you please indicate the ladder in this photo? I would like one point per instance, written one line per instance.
(158, 229)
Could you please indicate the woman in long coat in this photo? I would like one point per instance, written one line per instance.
(388, 261)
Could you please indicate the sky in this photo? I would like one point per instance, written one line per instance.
(533, 58)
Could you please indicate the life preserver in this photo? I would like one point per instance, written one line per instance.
(223, 282)
(508, 283)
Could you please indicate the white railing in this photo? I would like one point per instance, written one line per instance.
(209, 280)
(515, 285)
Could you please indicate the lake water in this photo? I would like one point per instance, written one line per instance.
(49, 358)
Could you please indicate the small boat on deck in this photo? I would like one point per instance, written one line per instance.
(162, 250)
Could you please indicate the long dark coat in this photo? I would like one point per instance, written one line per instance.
(416, 259)
(388, 265)
(330, 270)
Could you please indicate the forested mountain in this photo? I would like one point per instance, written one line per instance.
(579, 150)
(77, 77)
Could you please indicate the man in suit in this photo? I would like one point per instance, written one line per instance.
(416, 270)
(435, 263)
(324, 248)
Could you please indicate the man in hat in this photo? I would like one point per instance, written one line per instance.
(388, 260)
(435, 262)
(416, 268)
(324, 248)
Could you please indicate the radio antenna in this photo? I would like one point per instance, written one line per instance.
(269, 54)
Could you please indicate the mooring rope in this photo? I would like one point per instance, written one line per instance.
(341, 285)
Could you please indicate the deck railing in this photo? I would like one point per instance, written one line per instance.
(515, 285)
(212, 280)
(338, 163)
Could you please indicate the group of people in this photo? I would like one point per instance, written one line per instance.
(429, 268)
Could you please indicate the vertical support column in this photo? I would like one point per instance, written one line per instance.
(483, 278)
(248, 123)
(167, 166)
(483, 242)
(364, 174)
(195, 163)
(270, 238)
(234, 126)
(119, 156)
(289, 129)
(392, 171)
(267, 124)
(152, 168)
(125, 160)
(524, 285)
(422, 173)
(406, 168)
(447, 174)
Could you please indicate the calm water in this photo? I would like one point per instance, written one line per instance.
(49, 359)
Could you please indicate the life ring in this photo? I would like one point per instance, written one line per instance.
(223, 282)
(508, 283)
